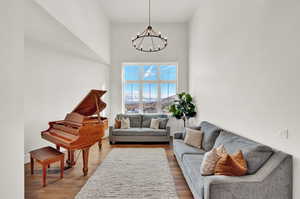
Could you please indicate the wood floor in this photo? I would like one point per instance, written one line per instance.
(73, 180)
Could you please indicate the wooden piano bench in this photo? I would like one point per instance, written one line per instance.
(45, 156)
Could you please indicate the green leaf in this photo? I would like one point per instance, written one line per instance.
(183, 106)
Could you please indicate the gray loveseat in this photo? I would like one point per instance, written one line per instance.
(269, 171)
(140, 130)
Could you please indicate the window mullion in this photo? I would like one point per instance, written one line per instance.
(158, 106)
(141, 82)
(141, 73)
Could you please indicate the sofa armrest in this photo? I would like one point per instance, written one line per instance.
(273, 180)
(168, 129)
(178, 135)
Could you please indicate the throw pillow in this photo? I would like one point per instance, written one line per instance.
(255, 154)
(125, 123)
(209, 162)
(117, 124)
(154, 123)
(210, 134)
(193, 137)
(190, 127)
(163, 123)
(231, 165)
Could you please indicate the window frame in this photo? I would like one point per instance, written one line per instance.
(141, 82)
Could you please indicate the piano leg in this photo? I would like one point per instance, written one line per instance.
(85, 156)
(70, 160)
(57, 147)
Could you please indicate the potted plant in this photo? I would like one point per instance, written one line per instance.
(183, 107)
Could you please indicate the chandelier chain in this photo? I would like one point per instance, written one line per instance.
(149, 13)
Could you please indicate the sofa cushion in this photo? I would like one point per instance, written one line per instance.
(256, 154)
(191, 164)
(211, 132)
(146, 119)
(163, 123)
(135, 119)
(180, 148)
(139, 132)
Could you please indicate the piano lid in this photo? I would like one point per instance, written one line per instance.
(91, 103)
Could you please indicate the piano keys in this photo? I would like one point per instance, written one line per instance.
(80, 129)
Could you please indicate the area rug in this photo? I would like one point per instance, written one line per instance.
(131, 173)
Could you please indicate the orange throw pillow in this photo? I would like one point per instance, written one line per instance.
(117, 124)
(231, 165)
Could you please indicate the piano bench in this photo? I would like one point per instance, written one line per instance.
(45, 156)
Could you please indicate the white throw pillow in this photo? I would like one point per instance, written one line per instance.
(193, 137)
(209, 162)
(154, 123)
(125, 123)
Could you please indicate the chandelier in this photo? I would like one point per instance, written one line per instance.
(149, 40)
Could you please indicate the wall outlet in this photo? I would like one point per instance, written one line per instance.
(284, 133)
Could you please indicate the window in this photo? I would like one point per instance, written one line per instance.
(149, 88)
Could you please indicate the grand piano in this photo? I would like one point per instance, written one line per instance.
(80, 129)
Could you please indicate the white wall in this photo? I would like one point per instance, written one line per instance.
(122, 51)
(58, 75)
(86, 20)
(244, 70)
(11, 100)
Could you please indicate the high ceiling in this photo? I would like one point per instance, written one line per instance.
(162, 11)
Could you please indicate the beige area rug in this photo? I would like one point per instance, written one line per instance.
(131, 173)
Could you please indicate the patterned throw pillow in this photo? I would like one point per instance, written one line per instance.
(154, 123)
(125, 123)
(193, 137)
(209, 162)
(231, 165)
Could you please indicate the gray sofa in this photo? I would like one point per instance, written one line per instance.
(140, 130)
(269, 171)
